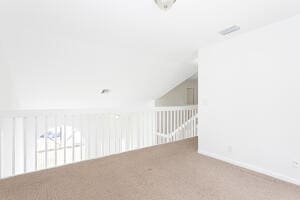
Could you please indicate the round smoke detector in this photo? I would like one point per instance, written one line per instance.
(165, 4)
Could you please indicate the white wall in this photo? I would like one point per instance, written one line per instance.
(3, 91)
(249, 96)
(6, 87)
(177, 96)
(63, 53)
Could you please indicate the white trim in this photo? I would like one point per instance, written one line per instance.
(251, 167)
(69, 112)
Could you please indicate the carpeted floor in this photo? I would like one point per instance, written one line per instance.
(167, 172)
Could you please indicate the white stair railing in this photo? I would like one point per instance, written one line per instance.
(37, 140)
(188, 127)
(176, 123)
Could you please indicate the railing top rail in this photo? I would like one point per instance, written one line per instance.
(50, 112)
(167, 108)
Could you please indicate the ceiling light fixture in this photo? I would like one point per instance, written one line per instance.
(165, 4)
(105, 91)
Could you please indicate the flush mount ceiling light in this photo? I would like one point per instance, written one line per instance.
(105, 91)
(165, 4)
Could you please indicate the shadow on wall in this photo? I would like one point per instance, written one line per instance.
(183, 94)
(6, 87)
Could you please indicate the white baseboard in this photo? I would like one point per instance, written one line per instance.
(251, 167)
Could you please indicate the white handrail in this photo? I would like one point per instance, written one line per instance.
(53, 112)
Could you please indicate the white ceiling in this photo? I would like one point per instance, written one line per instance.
(62, 53)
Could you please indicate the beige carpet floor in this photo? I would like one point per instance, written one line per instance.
(167, 172)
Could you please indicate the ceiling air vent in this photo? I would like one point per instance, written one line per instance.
(229, 30)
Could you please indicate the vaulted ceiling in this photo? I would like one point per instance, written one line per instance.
(62, 53)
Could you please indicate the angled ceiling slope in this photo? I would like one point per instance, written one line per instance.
(62, 53)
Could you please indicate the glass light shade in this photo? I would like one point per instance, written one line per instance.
(165, 4)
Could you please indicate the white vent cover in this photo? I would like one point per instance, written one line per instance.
(165, 4)
(230, 30)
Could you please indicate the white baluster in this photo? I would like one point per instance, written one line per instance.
(154, 127)
(177, 124)
(102, 134)
(81, 137)
(35, 142)
(73, 139)
(65, 139)
(55, 141)
(168, 123)
(109, 133)
(13, 159)
(25, 143)
(1, 129)
(128, 134)
(185, 122)
(194, 122)
(142, 120)
(46, 141)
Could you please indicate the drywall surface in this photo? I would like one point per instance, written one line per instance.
(6, 87)
(63, 53)
(249, 100)
(4, 100)
(178, 95)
